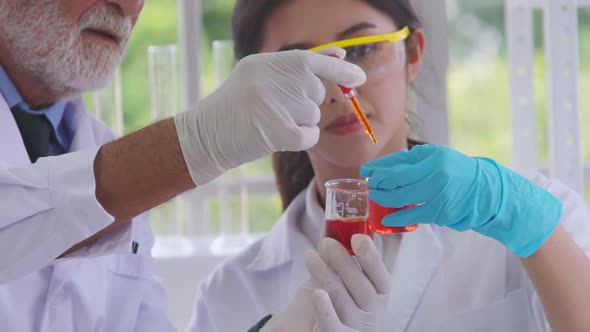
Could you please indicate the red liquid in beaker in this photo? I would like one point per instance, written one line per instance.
(342, 230)
(376, 214)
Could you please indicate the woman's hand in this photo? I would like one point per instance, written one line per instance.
(342, 295)
(359, 288)
(463, 193)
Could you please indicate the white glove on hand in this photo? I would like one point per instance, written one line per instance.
(327, 318)
(359, 292)
(268, 103)
(310, 310)
(298, 316)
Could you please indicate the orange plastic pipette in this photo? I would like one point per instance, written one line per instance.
(356, 106)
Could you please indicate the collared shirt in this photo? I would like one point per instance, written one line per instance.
(61, 141)
(48, 207)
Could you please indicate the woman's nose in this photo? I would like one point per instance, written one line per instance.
(333, 94)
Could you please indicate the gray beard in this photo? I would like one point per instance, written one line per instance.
(47, 48)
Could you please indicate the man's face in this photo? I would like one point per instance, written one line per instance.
(70, 45)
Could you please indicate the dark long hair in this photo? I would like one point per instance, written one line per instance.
(293, 170)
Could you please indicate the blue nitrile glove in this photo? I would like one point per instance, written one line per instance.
(463, 193)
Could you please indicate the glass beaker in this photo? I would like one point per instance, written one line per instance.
(169, 220)
(347, 210)
(376, 214)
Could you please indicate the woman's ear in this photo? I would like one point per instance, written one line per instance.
(415, 53)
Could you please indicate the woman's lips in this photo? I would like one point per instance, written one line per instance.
(344, 125)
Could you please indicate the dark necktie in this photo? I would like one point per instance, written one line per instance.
(36, 132)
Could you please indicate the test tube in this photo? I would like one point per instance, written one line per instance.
(346, 210)
(168, 219)
(163, 79)
(107, 104)
(358, 110)
(234, 225)
(223, 60)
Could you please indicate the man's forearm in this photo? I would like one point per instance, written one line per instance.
(138, 172)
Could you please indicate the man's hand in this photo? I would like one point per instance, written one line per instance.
(269, 103)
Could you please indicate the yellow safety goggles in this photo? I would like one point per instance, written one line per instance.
(392, 37)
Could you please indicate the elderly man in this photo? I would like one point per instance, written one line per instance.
(75, 254)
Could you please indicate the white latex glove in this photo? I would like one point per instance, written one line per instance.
(359, 291)
(310, 310)
(298, 316)
(326, 316)
(270, 102)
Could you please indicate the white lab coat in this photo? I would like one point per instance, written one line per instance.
(443, 280)
(47, 207)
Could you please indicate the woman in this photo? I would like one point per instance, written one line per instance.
(443, 280)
